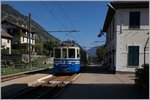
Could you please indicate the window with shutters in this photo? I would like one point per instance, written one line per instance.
(134, 20)
(133, 56)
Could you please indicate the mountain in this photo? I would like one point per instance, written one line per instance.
(92, 51)
(10, 14)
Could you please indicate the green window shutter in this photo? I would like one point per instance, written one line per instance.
(134, 20)
(133, 55)
(136, 56)
(130, 56)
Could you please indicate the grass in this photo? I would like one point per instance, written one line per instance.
(12, 70)
(40, 59)
(22, 67)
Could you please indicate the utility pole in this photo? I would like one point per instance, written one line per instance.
(29, 33)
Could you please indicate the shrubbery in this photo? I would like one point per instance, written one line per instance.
(4, 51)
(142, 77)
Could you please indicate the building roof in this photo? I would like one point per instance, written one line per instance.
(5, 34)
(123, 5)
(15, 24)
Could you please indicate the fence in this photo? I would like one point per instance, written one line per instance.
(6, 69)
(13, 57)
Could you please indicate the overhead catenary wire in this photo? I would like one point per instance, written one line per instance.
(61, 8)
(49, 10)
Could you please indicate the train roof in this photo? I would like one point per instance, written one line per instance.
(67, 43)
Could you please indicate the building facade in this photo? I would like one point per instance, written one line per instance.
(20, 34)
(127, 32)
(6, 41)
(20, 30)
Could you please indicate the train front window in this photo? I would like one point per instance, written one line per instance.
(57, 53)
(71, 53)
(64, 53)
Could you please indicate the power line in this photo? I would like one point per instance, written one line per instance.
(49, 10)
(64, 31)
(12, 16)
(65, 15)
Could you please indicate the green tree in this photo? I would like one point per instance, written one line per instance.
(83, 56)
(38, 48)
(24, 48)
(4, 51)
(100, 52)
(49, 45)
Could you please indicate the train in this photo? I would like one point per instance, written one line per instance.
(68, 57)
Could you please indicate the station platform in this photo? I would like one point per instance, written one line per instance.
(13, 86)
(94, 84)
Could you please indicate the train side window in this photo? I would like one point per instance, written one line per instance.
(57, 53)
(64, 53)
(78, 54)
(71, 53)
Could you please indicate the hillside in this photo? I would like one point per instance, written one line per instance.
(10, 14)
(92, 51)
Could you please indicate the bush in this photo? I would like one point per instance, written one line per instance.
(4, 51)
(15, 51)
(142, 76)
(4, 64)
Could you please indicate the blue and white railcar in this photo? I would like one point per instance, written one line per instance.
(67, 58)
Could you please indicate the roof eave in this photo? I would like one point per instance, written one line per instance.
(124, 5)
(109, 16)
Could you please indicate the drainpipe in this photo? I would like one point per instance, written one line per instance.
(145, 49)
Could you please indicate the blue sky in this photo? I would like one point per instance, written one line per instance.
(86, 16)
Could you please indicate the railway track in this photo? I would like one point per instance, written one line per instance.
(7, 78)
(19, 75)
(48, 89)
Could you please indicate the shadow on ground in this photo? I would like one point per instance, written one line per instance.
(95, 69)
(84, 91)
(11, 90)
(103, 91)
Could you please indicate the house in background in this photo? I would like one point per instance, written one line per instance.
(20, 33)
(16, 24)
(127, 31)
(6, 41)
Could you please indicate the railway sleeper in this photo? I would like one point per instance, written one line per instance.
(59, 83)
